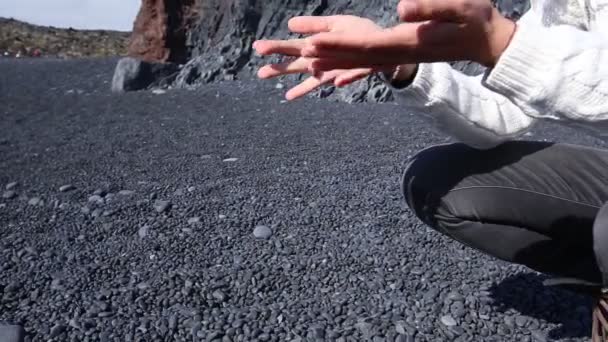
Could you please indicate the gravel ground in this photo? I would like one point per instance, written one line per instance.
(223, 214)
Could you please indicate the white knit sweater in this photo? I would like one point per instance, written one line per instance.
(556, 68)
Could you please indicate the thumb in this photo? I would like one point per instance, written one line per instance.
(438, 10)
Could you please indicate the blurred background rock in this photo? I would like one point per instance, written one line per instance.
(21, 39)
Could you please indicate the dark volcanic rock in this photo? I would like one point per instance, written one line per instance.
(159, 31)
(218, 43)
(134, 74)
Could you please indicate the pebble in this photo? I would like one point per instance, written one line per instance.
(279, 86)
(34, 201)
(161, 206)
(448, 320)
(158, 91)
(57, 330)
(538, 336)
(219, 295)
(11, 333)
(400, 327)
(96, 199)
(194, 220)
(521, 321)
(66, 188)
(99, 192)
(143, 231)
(228, 160)
(9, 194)
(262, 232)
(11, 185)
(455, 297)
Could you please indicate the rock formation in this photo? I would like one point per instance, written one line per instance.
(214, 37)
(160, 29)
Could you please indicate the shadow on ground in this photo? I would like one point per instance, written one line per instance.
(525, 293)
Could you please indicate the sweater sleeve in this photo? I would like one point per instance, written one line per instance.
(461, 106)
(558, 72)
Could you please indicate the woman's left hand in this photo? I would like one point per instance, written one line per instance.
(434, 31)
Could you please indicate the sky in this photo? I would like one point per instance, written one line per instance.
(78, 14)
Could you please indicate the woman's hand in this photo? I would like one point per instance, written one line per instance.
(434, 30)
(298, 64)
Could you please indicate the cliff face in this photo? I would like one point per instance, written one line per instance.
(160, 29)
(214, 37)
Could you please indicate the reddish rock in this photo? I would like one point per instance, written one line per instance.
(159, 31)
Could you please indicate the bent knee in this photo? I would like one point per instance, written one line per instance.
(431, 174)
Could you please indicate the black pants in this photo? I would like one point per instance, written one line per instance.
(530, 203)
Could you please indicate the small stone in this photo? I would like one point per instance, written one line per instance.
(143, 231)
(99, 192)
(143, 285)
(161, 206)
(66, 188)
(9, 194)
(11, 333)
(538, 336)
(365, 329)
(12, 287)
(173, 322)
(96, 199)
(221, 217)
(191, 189)
(455, 297)
(219, 295)
(158, 91)
(11, 185)
(57, 330)
(230, 160)
(521, 321)
(262, 232)
(400, 327)
(126, 192)
(34, 201)
(448, 320)
(402, 338)
(279, 86)
(194, 220)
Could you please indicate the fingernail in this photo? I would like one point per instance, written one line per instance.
(406, 8)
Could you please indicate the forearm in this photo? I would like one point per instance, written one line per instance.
(460, 106)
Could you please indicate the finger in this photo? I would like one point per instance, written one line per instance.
(441, 10)
(314, 24)
(311, 84)
(326, 64)
(352, 76)
(308, 24)
(291, 47)
(383, 41)
(299, 65)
